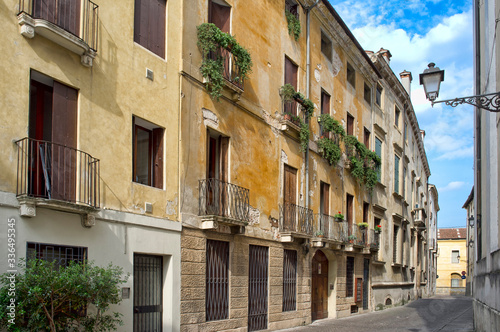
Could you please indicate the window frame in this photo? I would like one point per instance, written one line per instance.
(367, 93)
(326, 42)
(378, 95)
(397, 165)
(351, 75)
(155, 152)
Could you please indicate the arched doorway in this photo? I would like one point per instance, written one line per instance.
(319, 288)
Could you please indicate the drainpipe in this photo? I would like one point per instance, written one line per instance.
(308, 82)
(477, 122)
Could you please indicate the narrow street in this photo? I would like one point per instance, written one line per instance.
(440, 313)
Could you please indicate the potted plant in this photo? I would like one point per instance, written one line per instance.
(378, 228)
(351, 238)
(363, 225)
(339, 217)
(319, 233)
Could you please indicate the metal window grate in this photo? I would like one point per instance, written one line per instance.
(61, 254)
(257, 288)
(148, 293)
(217, 280)
(289, 280)
(349, 282)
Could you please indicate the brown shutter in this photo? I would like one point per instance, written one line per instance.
(289, 185)
(350, 125)
(291, 73)
(158, 158)
(223, 161)
(325, 103)
(212, 149)
(45, 10)
(68, 12)
(220, 16)
(325, 188)
(349, 203)
(63, 167)
(149, 25)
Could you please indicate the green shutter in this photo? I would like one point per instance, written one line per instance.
(396, 174)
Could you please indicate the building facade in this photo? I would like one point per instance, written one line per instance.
(452, 261)
(262, 244)
(486, 284)
(469, 207)
(89, 143)
(432, 238)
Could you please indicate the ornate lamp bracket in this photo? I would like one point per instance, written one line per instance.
(489, 102)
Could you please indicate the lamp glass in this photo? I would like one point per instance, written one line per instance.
(431, 82)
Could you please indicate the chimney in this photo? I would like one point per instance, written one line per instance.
(386, 54)
(422, 133)
(406, 79)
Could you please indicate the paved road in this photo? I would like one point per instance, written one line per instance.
(440, 313)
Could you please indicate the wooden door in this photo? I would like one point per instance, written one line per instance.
(319, 288)
(289, 198)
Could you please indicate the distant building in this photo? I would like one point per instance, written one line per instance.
(452, 261)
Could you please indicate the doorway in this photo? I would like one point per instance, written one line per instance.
(319, 289)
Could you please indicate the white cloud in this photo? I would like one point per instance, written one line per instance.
(454, 185)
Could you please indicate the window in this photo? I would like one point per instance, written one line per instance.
(378, 151)
(406, 132)
(350, 124)
(324, 198)
(289, 280)
(258, 275)
(397, 115)
(456, 280)
(147, 153)
(61, 255)
(378, 96)
(217, 280)
(368, 93)
(325, 107)
(351, 75)
(455, 256)
(289, 197)
(53, 119)
(65, 14)
(149, 25)
(349, 276)
(219, 13)
(326, 46)
(366, 209)
(396, 174)
(366, 138)
(395, 245)
(349, 213)
(291, 70)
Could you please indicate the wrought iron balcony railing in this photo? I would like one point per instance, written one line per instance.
(232, 72)
(222, 199)
(361, 236)
(332, 230)
(79, 17)
(374, 239)
(296, 219)
(54, 171)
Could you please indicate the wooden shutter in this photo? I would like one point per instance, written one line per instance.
(349, 203)
(290, 185)
(291, 73)
(367, 138)
(220, 16)
(64, 117)
(350, 124)
(325, 198)
(223, 161)
(325, 103)
(212, 160)
(149, 25)
(158, 157)
(68, 15)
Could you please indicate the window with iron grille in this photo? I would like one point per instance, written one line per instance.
(289, 280)
(61, 255)
(349, 283)
(217, 280)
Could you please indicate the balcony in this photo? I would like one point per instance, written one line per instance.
(223, 203)
(72, 24)
(295, 221)
(419, 215)
(326, 229)
(55, 175)
(374, 240)
(232, 73)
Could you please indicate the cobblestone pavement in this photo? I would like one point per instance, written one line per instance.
(440, 313)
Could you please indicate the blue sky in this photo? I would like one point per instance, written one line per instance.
(417, 32)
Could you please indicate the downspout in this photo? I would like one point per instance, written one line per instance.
(477, 120)
(308, 82)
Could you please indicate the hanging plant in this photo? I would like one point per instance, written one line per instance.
(210, 41)
(364, 163)
(287, 92)
(330, 125)
(330, 150)
(293, 24)
(304, 136)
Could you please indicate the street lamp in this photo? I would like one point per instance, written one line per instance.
(433, 76)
